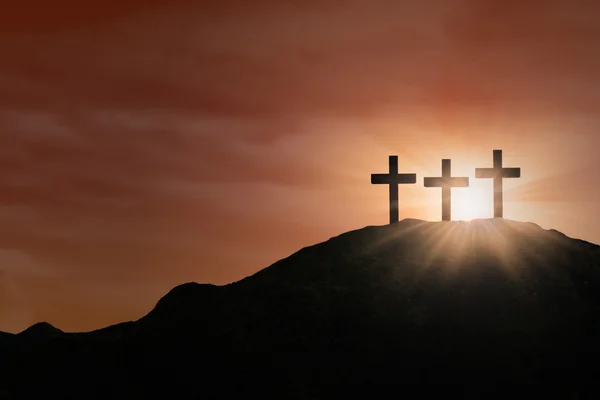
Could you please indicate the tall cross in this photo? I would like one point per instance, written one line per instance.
(498, 173)
(446, 182)
(393, 178)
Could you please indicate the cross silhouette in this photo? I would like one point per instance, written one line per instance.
(393, 178)
(446, 182)
(498, 173)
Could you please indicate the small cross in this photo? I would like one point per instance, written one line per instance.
(446, 182)
(498, 173)
(393, 178)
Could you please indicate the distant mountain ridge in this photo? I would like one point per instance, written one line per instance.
(479, 303)
(40, 329)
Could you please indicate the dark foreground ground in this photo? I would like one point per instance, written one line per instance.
(485, 309)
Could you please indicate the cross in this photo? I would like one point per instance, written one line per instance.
(498, 173)
(393, 178)
(446, 182)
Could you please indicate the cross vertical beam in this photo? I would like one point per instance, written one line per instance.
(394, 211)
(446, 191)
(498, 173)
(498, 187)
(393, 179)
(446, 182)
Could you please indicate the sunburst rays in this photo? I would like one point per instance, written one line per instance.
(458, 245)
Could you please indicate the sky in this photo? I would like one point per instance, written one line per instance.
(147, 144)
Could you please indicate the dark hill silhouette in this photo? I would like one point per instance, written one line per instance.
(5, 340)
(480, 304)
(40, 331)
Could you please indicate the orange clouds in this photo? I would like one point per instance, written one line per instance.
(142, 143)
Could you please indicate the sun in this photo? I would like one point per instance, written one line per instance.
(471, 203)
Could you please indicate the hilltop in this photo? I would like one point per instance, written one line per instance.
(479, 303)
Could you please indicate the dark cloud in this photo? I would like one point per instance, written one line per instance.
(349, 59)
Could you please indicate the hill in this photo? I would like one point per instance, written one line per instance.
(480, 304)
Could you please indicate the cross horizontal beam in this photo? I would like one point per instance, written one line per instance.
(497, 173)
(446, 182)
(387, 179)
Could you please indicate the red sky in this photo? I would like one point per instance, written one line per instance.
(147, 145)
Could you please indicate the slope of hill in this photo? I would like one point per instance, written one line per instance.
(40, 331)
(480, 304)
